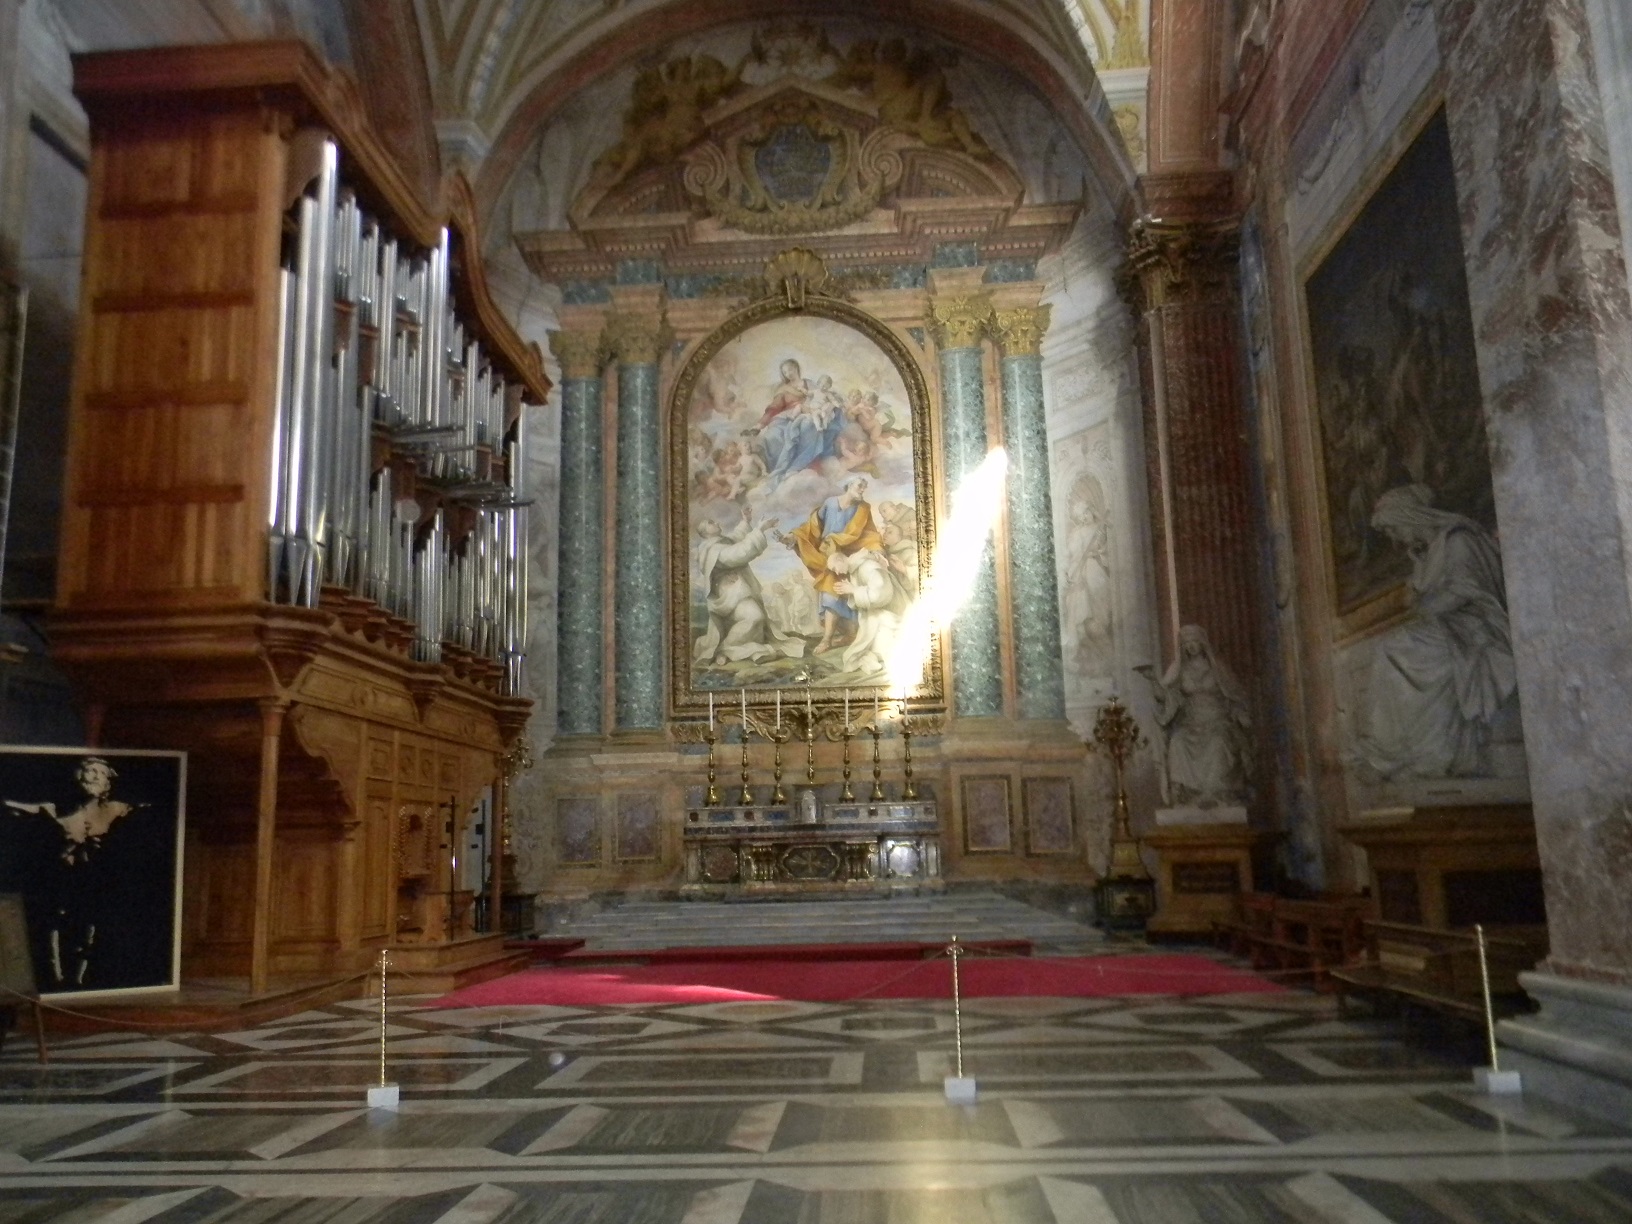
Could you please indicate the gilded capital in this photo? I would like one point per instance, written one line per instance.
(1019, 332)
(637, 339)
(959, 322)
(582, 354)
(1180, 263)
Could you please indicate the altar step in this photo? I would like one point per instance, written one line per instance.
(971, 916)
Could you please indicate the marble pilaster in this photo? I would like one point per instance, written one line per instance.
(959, 324)
(580, 634)
(1034, 595)
(637, 342)
(1180, 281)
(1552, 321)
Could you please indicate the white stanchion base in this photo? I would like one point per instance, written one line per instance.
(1498, 1083)
(384, 1096)
(960, 1090)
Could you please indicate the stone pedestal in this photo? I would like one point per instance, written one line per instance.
(1201, 870)
(1577, 1048)
(1452, 867)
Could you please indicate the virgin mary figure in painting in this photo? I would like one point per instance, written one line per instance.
(800, 426)
(1439, 680)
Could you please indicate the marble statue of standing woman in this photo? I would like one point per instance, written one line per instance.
(1206, 726)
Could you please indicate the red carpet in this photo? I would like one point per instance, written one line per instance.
(842, 981)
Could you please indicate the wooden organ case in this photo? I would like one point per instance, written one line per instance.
(292, 539)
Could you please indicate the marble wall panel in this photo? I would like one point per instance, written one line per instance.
(1050, 815)
(986, 815)
(1611, 22)
(639, 831)
(577, 830)
(1096, 460)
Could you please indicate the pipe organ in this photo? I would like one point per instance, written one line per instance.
(373, 361)
(294, 526)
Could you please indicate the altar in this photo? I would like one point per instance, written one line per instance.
(856, 846)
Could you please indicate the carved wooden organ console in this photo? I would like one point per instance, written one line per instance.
(293, 536)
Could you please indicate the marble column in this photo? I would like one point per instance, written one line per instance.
(637, 341)
(1180, 280)
(580, 634)
(1552, 320)
(959, 324)
(1034, 595)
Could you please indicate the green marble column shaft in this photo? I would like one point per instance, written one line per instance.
(1034, 594)
(638, 576)
(580, 635)
(977, 659)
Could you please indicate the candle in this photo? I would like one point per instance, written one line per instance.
(847, 707)
(744, 693)
(807, 701)
(779, 709)
(875, 707)
(711, 711)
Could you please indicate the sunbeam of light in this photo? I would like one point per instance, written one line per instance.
(954, 569)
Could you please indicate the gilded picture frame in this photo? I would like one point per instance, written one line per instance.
(718, 427)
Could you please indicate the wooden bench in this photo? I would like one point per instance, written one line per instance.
(1438, 969)
(1296, 934)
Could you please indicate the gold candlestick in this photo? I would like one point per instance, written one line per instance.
(810, 749)
(1126, 895)
(746, 798)
(910, 790)
(846, 794)
(778, 736)
(1116, 733)
(711, 797)
(878, 768)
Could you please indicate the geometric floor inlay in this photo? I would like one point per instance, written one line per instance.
(1091, 1111)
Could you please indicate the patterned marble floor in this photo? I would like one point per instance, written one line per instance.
(1231, 1110)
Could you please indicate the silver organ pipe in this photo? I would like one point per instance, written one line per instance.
(398, 451)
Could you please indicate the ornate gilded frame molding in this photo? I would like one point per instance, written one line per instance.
(795, 281)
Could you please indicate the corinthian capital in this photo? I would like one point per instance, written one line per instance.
(960, 321)
(1019, 332)
(581, 353)
(1177, 263)
(637, 339)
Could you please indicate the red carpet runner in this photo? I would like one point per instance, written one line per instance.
(842, 981)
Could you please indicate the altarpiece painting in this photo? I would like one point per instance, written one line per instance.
(802, 517)
(1396, 376)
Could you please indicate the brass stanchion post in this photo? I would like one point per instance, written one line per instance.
(960, 1090)
(384, 1095)
(1492, 1078)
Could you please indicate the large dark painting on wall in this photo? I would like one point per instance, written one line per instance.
(1395, 372)
(92, 841)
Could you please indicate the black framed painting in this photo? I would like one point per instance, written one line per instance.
(92, 840)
